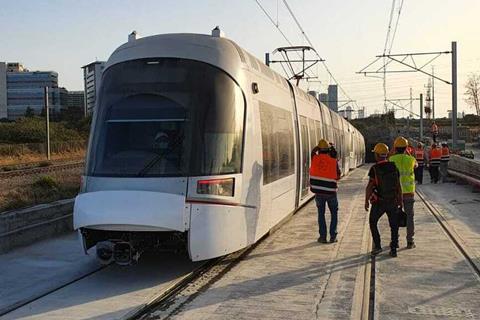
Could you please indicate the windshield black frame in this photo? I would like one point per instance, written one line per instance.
(167, 101)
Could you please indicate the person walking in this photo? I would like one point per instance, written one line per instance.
(324, 173)
(434, 156)
(406, 165)
(385, 194)
(434, 130)
(444, 158)
(419, 156)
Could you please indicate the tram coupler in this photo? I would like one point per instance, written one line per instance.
(120, 252)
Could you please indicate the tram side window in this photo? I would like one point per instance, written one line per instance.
(277, 143)
(319, 130)
(313, 137)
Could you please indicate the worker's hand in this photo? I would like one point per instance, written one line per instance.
(400, 203)
(367, 205)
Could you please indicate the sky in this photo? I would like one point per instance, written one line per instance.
(64, 35)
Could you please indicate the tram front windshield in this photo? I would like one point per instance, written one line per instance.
(167, 117)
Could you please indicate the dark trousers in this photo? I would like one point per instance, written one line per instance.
(434, 173)
(419, 174)
(408, 202)
(332, 201)
(376, 212)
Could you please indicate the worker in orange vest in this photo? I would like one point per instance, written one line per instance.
(435, 156)
(410, 150)
(420, 157)
(324, 173)
(444, 161)
(434, 130)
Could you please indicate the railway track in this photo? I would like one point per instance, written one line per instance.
(20, 304)
(368, 304)
(456, 239)
(199, 278)
(40, 170)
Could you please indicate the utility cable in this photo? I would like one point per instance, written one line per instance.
(396, 26)
(277, 26)
(311, 45)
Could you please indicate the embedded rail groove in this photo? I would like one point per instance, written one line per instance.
(23, 303)
(452, 235)
(38, 170)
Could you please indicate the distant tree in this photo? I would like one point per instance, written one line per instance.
(473, 92)
(29, 113)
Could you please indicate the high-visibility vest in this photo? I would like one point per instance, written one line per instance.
(435, 156)
(445, 155)
(323, 174)
(405, 165)
(419, 155)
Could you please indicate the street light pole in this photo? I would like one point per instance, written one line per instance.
(47, 122)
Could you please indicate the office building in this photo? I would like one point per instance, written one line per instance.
(460, 115)
(324, 98)
(24, 90)
(92, 76)
(3, 90)
(361, 113)
(347, 113)
(74, 99)
(333, 97)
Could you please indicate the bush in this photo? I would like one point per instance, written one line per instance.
(45, 183)
(32, 130)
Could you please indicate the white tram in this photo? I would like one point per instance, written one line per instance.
(197, 143)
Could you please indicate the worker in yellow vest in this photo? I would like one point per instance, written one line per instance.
(324, 173)
(406, 165)
(420, 157)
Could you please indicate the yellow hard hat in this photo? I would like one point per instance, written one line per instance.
(400, 142)
(381, 149)
(323, 144)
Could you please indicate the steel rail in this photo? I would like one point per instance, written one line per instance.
(452, 235)
(22, 303)
(38, 170)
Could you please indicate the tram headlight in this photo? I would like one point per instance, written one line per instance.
(218, 187)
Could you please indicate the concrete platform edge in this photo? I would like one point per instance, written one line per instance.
(23, 227)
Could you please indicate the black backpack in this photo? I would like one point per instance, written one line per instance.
(386, 181)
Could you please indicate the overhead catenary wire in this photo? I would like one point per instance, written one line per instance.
(311, 45)
(277, 26)
(396, 26)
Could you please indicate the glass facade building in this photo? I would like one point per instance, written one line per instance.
(26, 90)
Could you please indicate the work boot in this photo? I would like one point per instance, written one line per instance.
(376, 251)
(322, 239)
(333, 238)
(411, 245)
(393, 252)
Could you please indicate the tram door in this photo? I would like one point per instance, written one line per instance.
(305, 156)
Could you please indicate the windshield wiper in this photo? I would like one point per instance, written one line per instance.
(159, 157)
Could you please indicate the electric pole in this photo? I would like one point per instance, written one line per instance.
(408, 117)
(421, 116)
(433, 93)
(47, 123)
(454, 94)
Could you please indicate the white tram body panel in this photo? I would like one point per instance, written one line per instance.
(195, 139)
